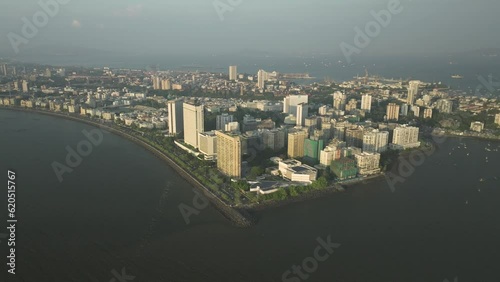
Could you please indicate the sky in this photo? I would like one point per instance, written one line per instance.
(286, 27)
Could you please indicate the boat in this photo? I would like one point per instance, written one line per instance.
(457, 76)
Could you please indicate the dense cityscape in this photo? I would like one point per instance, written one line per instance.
(250, 138)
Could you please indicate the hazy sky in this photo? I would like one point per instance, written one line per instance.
(280, 26)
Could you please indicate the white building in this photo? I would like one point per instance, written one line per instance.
(366, 102)
(412, 91)
(405, 137)
(295, 171)
(208, 145)
(175, 116)
(375, 141)
(194, 123)
(291, 102)
(497, 119)
(302, 113)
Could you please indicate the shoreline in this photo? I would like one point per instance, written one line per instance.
(235, 216)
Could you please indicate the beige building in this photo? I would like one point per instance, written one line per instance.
(497, 119)
(368, 163)
(428, 113)
(194, 123)
(296, 143)
(392, 111)
(412, 91)
(233, 72)
(477, 126)
(366, 102)
(229, 153)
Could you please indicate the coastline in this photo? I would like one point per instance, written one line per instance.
(239, 218)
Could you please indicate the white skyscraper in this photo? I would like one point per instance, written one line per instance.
(375, 141)
(339, 100)
(175, 116)
(233, 72)
(412, 91)
(366, 102)
(302, 113)
(194, 123)
(290, 103)
(261, 79)
(405, 137)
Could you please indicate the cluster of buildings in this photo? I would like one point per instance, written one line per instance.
(333, 139)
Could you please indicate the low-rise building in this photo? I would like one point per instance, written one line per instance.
(477, 126)
(295, 171)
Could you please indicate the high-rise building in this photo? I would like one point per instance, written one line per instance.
(323, 110)
(366, 102)
(428, 113)
(352, 105)
(175, 116)
(291, 102)
(274, 139)
(312, 148)
(339, 131)
(229, 152)
(4, 69)
(354, 136)
(375, 141)
(194, 123)
(392, 111)
(302, 113)
(222, 120)
(231, 127)
(261, 79)
(412, 91)
(497, 119)
(25, 86)
(344, 168)
(296, 140)
(233, 72)
(339, 100)
(415, 110)
(444, 106)
(329, 154)
(368, 163)
(405, 137)
(156, 82)
(165, 84)
(208, 145)
(404, 109)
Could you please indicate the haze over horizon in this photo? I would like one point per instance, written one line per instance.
(293, 27)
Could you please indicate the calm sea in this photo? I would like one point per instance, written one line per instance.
(118, 211)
